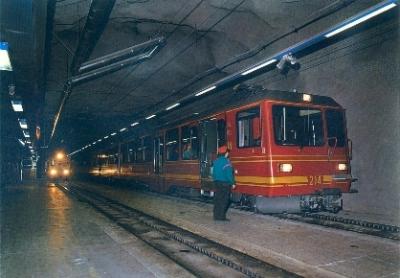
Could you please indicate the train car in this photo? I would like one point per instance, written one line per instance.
(289, 150)
(58, 167)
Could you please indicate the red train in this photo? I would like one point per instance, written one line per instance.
(289, 150)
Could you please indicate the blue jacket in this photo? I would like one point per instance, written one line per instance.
(223, 170)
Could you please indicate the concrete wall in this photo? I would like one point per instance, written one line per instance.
(362, 74)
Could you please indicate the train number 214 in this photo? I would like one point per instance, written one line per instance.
(314, 180)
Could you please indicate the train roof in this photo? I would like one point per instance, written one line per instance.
(239, 96)
(229, 99)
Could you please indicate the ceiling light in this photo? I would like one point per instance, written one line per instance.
(17, 105)
(172, 106)
(122, 129)
(259, 66)
(113, 134)
(351, 24)
(26, 133)
(135, 123)
(99, 140)
(94, 143)
(22, 142)
(30, 147)
(105, 137)
(5, 63)
(23, 124)
(150, 117)
(205, 91)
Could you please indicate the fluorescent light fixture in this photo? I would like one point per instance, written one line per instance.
(99, 140)
(23, 124)
(269, 62)
(113, 134)
(5, 63)
(172, 106)
(135, 123)
(94, 143)
(361, 19)
(105, 137)
(205, 91)
(26, 133)
(22, 142)
(17, 105)
(122, 129)
(27, 141)
(30, 147)
(150, 117)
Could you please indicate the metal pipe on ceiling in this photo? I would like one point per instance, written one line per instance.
(99, 72)
(120, 55)
(96, 21)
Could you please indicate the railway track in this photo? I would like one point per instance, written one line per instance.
(198, 255)
(330, 221)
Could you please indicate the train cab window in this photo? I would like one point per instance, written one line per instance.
(221, 127)
(248, 127)
(189, 143)
(336, 128)
(172, 144)
(298, 126)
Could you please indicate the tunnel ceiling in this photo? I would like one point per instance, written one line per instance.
(200, 35)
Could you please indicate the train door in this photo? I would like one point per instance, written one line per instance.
(212, 135)
(158, 160)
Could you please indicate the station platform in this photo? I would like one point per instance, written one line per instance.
(307, 250)
(47, 233)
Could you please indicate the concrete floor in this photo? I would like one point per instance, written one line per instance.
(45, 233)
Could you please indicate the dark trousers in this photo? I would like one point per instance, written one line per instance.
(222, 199)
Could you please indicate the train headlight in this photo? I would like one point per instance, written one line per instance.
(286, 167)
(53, 172)
(66, 172)
(307, 98)
(342, 167)
(60, 155)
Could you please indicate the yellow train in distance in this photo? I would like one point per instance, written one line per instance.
(58, 166)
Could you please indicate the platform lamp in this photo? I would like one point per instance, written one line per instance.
(5, 63)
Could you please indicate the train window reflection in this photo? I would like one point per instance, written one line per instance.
(248, 127)
(172, 144)
(297, 126)
(190, 142)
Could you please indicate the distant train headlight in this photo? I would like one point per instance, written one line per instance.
(53, 172)
(342, 166)
(286, 167)
(66, 172)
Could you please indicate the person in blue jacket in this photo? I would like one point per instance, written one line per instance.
(224, 181)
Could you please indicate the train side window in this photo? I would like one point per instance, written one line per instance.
(172, 144)
(147, 149)
(189, 143)
(221, 127)
(248, 128)
(131, 152)
(139, 151)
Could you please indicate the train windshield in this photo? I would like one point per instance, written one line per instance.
(298, 126)
(335, 127)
